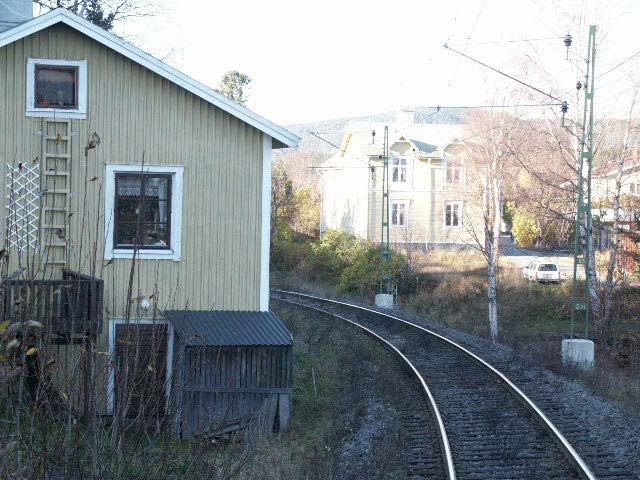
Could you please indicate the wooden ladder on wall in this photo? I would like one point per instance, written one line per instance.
(56, 190)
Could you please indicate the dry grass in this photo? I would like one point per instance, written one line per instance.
(533, 318)
(448, 261)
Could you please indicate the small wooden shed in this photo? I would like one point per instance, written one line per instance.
(227, 367)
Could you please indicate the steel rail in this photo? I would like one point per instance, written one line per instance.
(579, 464)
(433, 407)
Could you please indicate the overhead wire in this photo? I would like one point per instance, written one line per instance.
(511, 77)
(618, 65)
(475, 23)
(500, 42)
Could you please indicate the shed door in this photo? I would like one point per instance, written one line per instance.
(140, 373)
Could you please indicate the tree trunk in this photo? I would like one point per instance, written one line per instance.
(493, 212)
(615, 235)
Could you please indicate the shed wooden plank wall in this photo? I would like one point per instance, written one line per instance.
(138, 113)
(220, 384)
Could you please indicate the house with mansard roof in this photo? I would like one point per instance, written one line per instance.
(433, 196)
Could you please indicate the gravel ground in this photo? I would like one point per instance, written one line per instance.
(605, 435)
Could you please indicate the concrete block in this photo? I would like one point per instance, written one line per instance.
(284, 411)
(579, 352)
(384, 300)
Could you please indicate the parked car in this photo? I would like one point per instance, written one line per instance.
(543, 272)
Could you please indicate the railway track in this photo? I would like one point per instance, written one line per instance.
(487, 427)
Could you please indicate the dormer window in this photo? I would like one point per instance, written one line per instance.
(399, 169)
(56, 88)
(453, 173)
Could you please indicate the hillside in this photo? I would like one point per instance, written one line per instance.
(333, 129)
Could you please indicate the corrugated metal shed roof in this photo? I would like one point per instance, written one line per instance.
(228, 328)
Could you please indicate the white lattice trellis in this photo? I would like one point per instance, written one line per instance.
(23, 205)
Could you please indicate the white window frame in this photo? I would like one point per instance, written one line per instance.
(111, 374)
(446, 174)
(405, 203)
(399, 167)
(77, 113)
(175, 249)
(460, 214)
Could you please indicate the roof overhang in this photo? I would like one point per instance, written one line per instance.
(282, 137)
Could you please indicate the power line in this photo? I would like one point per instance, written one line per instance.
(518, 40)
(327, 141)
(511, 77)
(453, 107)
(619, 64)
(475, 23)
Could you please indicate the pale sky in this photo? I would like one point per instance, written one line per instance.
(318, 60)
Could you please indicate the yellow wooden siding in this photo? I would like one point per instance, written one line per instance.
(139, 114)
(426, 194)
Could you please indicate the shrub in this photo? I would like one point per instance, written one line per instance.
(331, 254)
(366, 268)
(288, 249)
(525, 228)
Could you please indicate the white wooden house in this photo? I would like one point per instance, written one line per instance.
(433, 197)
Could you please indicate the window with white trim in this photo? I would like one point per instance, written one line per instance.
(399, 170)
(453, 214)
(56, 88)
(453, 173)
(143, 211)
(399, 213)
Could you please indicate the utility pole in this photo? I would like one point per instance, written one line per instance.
(583, 242)
(385, 250)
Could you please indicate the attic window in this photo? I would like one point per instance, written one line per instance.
(56, 88)
(399, 169)
(453, 172)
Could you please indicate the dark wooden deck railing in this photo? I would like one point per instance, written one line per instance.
(68, 306)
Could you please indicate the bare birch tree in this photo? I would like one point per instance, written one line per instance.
(489, 151)
(621, 156)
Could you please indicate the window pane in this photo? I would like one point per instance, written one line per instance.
(55, 87)
(447, 215)
(154, 211)
(156, 234)
(394, 214)
(128, 209)
(403, 174)
(394, 175)
(143, 210)
(128, 186)
(156, 187)
(126, 233)
(454, 219)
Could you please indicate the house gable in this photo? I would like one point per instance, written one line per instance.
(282, 137)
(142, 117)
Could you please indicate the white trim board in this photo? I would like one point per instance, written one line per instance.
(175, 252)
(266, 223)
(283, 137)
